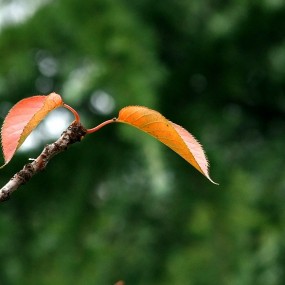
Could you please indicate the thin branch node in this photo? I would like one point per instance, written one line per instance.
(74, 133)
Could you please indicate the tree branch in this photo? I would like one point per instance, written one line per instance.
(74, 133)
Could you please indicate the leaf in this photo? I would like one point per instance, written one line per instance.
(23, 118)
(170, 134)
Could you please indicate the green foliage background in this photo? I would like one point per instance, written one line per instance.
(120, 206)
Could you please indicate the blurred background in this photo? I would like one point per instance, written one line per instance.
(120, 205)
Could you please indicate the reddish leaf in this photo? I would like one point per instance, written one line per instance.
(172, 135)
(23, 118)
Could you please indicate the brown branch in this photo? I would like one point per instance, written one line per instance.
(74, 133)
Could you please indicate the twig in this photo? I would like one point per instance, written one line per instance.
(74, 133)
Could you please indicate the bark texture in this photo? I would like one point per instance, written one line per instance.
(74, 133)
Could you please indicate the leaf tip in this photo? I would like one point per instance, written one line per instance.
(212, 180)
(3, 165)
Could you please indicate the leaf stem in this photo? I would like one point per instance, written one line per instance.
(76, 115)
(95, 129)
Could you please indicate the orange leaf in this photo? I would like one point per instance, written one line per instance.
(172, 135)
(23, 118)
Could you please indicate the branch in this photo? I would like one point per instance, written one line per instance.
(74, 133)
